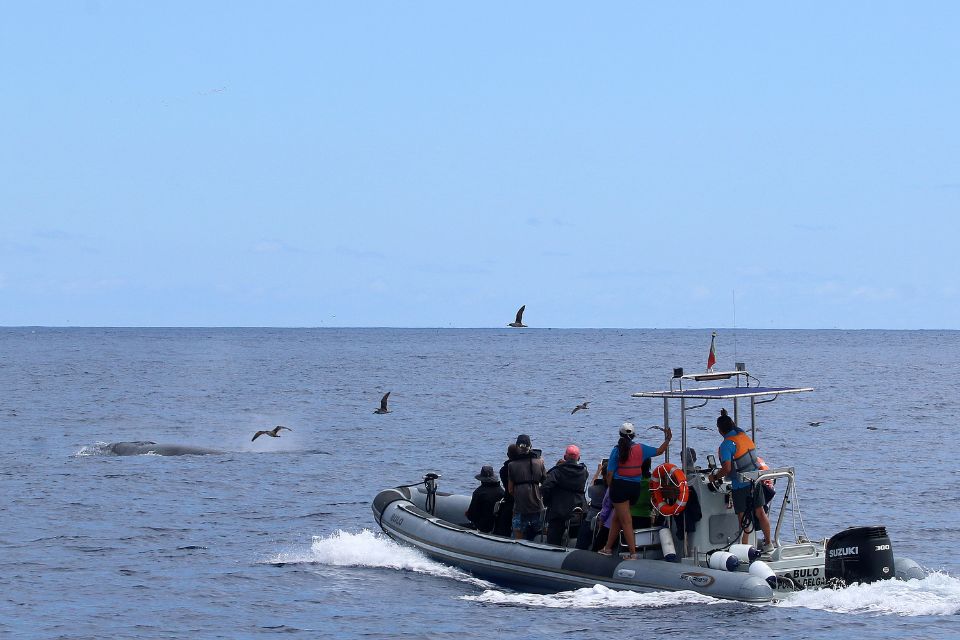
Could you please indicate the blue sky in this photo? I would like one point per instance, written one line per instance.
(440, 164)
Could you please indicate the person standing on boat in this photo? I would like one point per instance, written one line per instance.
(625, 477)
(563, 492)
(480, 511)
(738, 454)
(504, 525)
(595, 494)
(524, 476)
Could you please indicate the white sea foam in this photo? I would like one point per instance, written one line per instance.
(95, 449)
(595, 597)
(369, 549)
(938, 594)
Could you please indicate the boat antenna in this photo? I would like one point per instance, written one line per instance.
(734, 325)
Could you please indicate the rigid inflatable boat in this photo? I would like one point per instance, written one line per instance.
(542, 568)
(709, 559)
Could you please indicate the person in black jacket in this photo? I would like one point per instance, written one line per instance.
(563, 492)
(504, 520)
(480, 511)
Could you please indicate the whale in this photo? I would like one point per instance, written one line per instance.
(140, 448)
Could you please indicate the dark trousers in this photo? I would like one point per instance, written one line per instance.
(600, 539)
(555, 529)
(503, 525)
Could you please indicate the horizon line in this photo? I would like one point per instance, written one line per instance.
(452, 328)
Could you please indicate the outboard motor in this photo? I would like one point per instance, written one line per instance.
(430, 484)
(859, 554)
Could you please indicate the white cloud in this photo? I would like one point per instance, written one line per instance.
(875, 294)
(266, 246)
(700, 292)
(359, 253)
(862, 293)
(97, 285)
(55, 234)
(828, 289)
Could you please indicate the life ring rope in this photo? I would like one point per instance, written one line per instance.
(669, 476)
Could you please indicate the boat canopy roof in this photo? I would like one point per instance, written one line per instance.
(741, 389)
(720, 393)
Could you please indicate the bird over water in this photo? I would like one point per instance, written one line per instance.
(519, 321)
(383, 404)
(273, 433)
(581, 406)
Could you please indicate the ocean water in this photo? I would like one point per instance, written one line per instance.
(276, 536)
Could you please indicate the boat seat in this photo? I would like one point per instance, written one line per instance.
(646, 537)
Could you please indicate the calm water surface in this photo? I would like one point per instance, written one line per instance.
(276, 536)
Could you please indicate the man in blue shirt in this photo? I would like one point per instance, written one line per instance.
(738, 454)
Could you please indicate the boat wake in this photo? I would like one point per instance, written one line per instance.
(938, 594)
(596, 597)
(374, 550)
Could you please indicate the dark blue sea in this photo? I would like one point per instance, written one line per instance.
(275, 537)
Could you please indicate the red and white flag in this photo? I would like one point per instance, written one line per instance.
(712, 358)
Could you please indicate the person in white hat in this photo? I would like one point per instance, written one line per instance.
(624, 477)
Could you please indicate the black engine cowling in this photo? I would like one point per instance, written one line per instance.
(859, 554)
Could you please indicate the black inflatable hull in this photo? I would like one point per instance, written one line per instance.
(542, 568)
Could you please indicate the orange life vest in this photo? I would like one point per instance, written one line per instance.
(745, 456)
(631, 467)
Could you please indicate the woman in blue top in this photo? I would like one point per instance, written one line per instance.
(624, 477)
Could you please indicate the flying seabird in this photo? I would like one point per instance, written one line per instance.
(815, 424)
(273, 433)
(383, 404)
(582, 405)
(519, 321)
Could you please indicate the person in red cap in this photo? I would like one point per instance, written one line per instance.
(563, 492)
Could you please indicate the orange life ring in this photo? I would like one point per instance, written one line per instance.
(669, 489)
